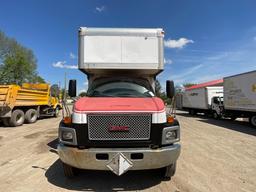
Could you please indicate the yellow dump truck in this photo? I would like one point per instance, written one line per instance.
(26, 103)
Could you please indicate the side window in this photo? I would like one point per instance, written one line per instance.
(215, 100)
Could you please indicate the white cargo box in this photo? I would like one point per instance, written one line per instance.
(102, 49)
(200, 98)
(240, 92)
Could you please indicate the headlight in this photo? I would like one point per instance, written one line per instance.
(170, 135)
(67, 135)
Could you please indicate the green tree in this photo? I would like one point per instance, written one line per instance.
(82, 94)
(17, 63)
(158, 88)
(186, 85)
(160, 93)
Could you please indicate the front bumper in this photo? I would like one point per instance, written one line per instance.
(86, 158)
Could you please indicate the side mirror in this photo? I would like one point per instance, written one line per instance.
(72, 88)
(170, 90)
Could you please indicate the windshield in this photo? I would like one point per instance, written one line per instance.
(120, 89)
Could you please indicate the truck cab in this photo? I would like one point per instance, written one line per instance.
(120, 125)
(217, 106)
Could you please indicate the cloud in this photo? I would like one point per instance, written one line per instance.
(86, 83)
(167, 61)
(100, 9)
(61, 64)
(180, 78)
(72, 55)
(82, 90)
(180, 43)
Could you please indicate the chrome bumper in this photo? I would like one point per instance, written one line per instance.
(86, 158)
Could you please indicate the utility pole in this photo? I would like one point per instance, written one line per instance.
(65, 87)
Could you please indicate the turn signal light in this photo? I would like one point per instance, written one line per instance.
(170, 119)
(67, 120)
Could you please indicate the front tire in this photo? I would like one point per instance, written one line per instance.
(192, 112)
(17, 118)
(169, 171)
(233, 118)
(57, 112)
(215, 115)
(68, 170)
(253, 120)
(6, 122)
(31, 116)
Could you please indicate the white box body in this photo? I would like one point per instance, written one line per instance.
(103, 49)
(240, 92)
(200, 98)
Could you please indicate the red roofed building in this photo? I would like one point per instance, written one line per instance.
(218, 82)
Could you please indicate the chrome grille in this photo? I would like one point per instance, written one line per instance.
(138, 126)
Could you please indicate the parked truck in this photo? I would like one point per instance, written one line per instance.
(240, 97)
(120, 125)
(202, 100)
(236, 98)
(26, 103)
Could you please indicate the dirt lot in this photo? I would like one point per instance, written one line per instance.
(216, 156)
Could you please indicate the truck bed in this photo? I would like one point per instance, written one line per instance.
(14, 95)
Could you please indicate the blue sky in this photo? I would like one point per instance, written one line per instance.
(204, 40)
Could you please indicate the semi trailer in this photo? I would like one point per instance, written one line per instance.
(120, 125)
(26, 103)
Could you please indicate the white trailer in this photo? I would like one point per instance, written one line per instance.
(201, 99)
(240, 96)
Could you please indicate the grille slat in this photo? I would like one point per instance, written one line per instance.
(138, 126)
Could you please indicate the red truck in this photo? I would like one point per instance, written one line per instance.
(120, 125)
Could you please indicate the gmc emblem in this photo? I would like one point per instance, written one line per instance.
(118, 128)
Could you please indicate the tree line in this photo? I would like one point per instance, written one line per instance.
(18, 64)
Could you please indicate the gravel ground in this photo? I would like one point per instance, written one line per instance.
(217, 155)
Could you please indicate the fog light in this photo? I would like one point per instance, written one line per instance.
(66, 135)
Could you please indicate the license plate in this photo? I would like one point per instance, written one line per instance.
(119, 164)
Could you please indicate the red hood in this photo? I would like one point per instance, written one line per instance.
(107, 104)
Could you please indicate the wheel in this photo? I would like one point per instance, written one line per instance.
(192, 112)
(253, 120)
(69, 171)
(17, 118)
(6, 122)
(215, 115)
(169, 171)
(31, 116)
(57, 112)
(233, 118)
